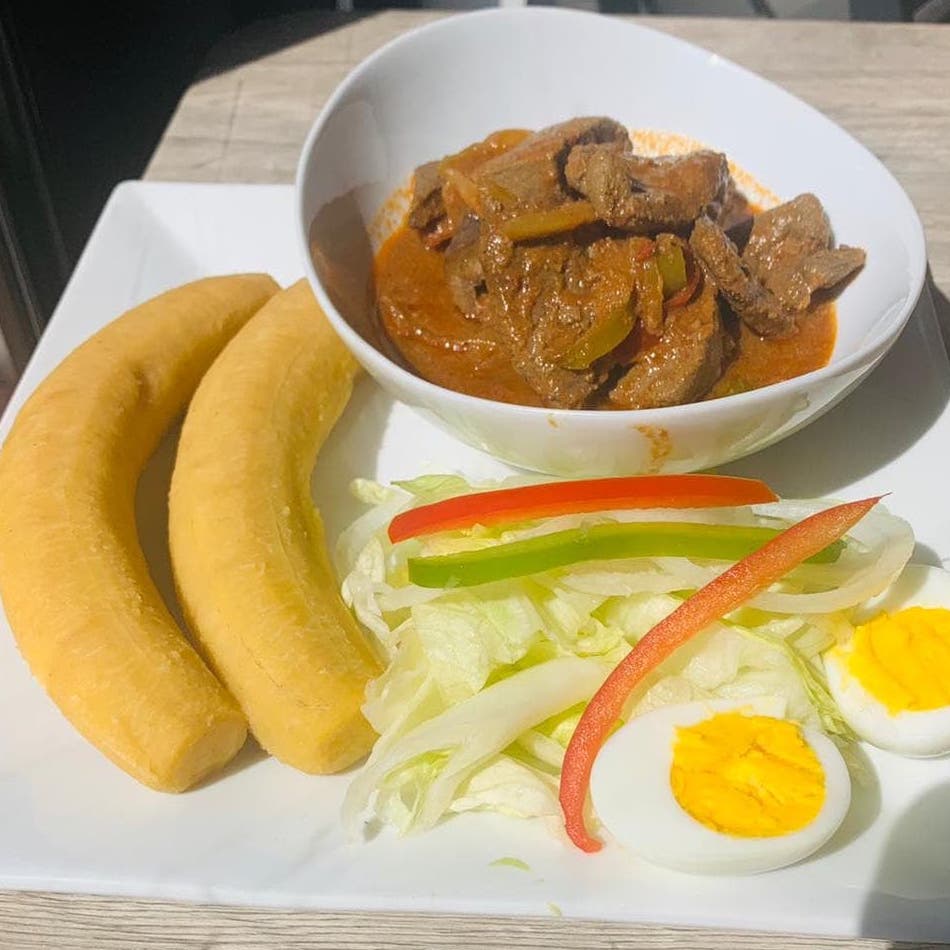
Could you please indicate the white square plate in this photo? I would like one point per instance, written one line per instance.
(264, 834)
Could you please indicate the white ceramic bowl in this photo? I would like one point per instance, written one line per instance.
(448, 84)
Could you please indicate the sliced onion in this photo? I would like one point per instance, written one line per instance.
(885, 544)
(889, 542)
(742, 515)
(622, 578)
(400, 598)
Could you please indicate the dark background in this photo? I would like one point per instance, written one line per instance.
(84, 98)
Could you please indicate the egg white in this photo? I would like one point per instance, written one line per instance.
(914, 733)
(632, 796)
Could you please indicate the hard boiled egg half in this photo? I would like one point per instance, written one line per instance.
(721, 787)
(891, 679)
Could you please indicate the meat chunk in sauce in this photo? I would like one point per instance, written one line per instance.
(742, 290)
(644, 195)
(551, 269)
(426, 206)
(787, 233)
(531, 175)
(463, 265)
(787, 258)
(546, 298)
(527, 304)
(791, 251)
(685, 363)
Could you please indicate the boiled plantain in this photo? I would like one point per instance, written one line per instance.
(247, 544)
(76, 587)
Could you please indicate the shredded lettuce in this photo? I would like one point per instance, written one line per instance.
(485, 685)
(411, 780)
(812, 681)
(374, 493)
(467, 637)
(430, 488)
(511, 787)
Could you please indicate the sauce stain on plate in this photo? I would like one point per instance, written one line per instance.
(660, 446)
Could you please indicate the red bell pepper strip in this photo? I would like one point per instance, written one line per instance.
(573, 497)
(719, 597)
(685, 294)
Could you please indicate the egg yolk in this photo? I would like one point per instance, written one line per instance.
(749, 776)
(903, 659)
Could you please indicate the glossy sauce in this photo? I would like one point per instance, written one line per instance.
(445, 347)
(760, 362)
(442, 345)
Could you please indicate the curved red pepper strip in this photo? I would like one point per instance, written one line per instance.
(727, 592)
(685, 294)
(573, 497)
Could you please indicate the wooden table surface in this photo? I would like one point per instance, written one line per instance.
(889, 85)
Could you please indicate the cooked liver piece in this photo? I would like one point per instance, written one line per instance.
(426, 206)
(543, 297)
(527, 308)
(644, 195)
(463, 264)
(787, 258)
(819, 271)
(532, 173)
(791, 230)
(744, 293)
(683, 365)
(557, 388)
(789, 250)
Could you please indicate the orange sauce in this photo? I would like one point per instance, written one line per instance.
(442, 345)
(445, 347)
(760, 362)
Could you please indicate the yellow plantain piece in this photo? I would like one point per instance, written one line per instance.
(85, 612)
(247, 543)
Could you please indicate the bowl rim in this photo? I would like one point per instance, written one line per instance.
(861, 361)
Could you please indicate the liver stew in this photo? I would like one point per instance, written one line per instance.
(560, 269)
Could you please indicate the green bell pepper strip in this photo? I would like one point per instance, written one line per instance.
(672, 267)
(601, 338)
(534, 225)
(597, 543)
(649, 307)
